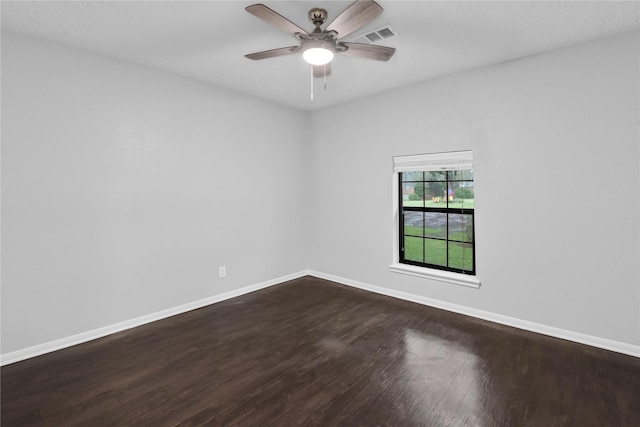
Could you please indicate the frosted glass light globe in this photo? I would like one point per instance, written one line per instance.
(317, 56)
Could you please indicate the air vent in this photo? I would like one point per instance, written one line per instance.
(386, 32)
(376, 35)
(373, 37)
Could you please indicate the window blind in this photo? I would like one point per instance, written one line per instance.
(457, 160)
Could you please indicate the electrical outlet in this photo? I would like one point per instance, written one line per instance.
(222, 271)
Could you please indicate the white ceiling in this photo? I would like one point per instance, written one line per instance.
(207, 40)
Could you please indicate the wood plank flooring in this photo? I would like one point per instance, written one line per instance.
(312, 352)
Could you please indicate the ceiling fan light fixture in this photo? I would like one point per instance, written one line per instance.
(317, 56)
(318, 52)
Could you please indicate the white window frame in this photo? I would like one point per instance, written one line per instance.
(436, 161)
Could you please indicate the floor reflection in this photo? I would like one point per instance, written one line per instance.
(444, 376)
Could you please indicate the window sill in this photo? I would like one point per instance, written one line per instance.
(441, 275)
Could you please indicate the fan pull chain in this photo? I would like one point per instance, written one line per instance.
(325, 76)
(311, 82)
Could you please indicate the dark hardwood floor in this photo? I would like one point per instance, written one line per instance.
(312, 352)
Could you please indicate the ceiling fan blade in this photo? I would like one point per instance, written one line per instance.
(272, 53)
(321, 70)
(355, 16)
(361, 50)
(274, 18)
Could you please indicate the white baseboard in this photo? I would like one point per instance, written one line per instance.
(619, 347)
(48, 347)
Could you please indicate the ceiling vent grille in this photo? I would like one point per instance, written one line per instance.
(376, 35)
(373, 37)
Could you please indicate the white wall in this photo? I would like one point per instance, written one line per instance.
(124, 189)
(555, 140)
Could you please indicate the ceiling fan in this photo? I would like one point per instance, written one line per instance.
(319, 46)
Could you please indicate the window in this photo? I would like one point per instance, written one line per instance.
(435, 212)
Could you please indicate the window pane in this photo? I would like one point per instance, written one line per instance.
(461, 227)
(460, 175)
(435, 176)
(434, 194)
(413, 249)
(461, 256)
(411, 176)
(435, 225)
(414, 223)
(435, 252)
(413, 194)
(460, 194)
